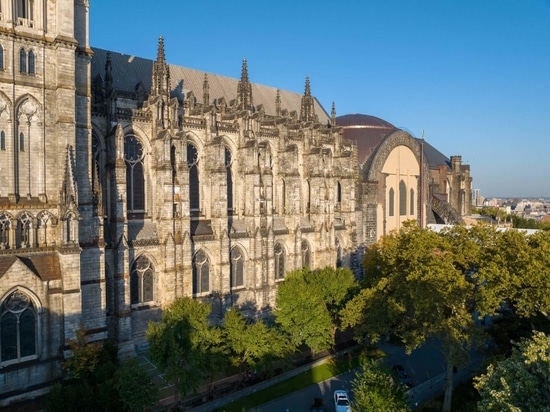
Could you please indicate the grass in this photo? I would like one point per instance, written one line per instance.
(319, 373)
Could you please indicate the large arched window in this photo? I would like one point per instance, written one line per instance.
(391, 202)
(237, 268)
(194, 190)
(141, 281)
(229, 178)
(306, 254)
(135, 179)
(201, 273)
(22, 61)
(279, 251)
(411, 200)
(18, 328)
(402, 198)
(31, 62)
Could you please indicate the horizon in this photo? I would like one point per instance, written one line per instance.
(472, 76)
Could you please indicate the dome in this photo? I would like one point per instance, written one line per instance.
(366, 131)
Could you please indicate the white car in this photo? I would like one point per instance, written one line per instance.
(341, 401)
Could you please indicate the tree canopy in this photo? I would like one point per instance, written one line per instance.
(521, 382)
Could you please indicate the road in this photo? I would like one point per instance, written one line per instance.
(426, 366)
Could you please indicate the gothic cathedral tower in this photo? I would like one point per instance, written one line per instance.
(51, 268)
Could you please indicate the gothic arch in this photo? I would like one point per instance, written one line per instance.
(238, 267)
(20, 313)
(203, 272)
(143, 274)
(5, 107)
(280, 252)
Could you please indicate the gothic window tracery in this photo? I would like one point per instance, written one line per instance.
(24, 231)
(18, 328)
(201, 273)
(5, 226)
(141, 281)
(306, 254)
(193, 167)
(279, 252)
(237, 268)
(135, 178)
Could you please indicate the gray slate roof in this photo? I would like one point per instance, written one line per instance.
(129, 70)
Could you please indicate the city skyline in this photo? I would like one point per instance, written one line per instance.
(471, 77)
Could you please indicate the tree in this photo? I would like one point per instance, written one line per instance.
(94, 380)
(375, 390)
(185, 346)
(308, 304)
(419, 285)
(252, 344)
(520, 382)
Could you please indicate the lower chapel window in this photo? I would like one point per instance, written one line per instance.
(279, 261)
(237, 269)
(18, 328)
(141, 281)
(305, 254)
(201, 273)
(135, 178)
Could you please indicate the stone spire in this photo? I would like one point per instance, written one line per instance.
(205, 91)
(333, 115)
(69, 192)
(244, 90)
(278, 103)
(160, 84)
(307, 112)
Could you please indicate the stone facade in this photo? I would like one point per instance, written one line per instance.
(126, 183)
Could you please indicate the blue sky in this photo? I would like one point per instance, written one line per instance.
(474, 75)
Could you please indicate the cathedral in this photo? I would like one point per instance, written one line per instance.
(126, 183)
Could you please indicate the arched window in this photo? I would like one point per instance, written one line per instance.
(237, 268)
(338, 194)
(22, 61)
(279, 261)
(338, 248)
(201, 273)
(135, 180)
(194, 190)
(411, 200)
(402, 198)
(229, 178)
(308, 197)
(5, 226)
(24, 231)
(31, 62)
(21, 142)
(141, 281)
(2, 140)
(306, 254)
(1, 57)
(391, 202)
(283, 197)
(18, 328)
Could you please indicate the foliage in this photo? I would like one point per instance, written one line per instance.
(420, 284)
(185, 346)
(252, 345)
(94, 380)
(520, 382)
(374, 390)
(308, 305)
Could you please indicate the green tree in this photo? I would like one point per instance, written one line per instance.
(308, 305)
(185, 346)
(252, 345)
(418, 287)
(134, 386)
(375, 390)
(520, 382)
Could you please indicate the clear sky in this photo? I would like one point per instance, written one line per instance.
(473, 75)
